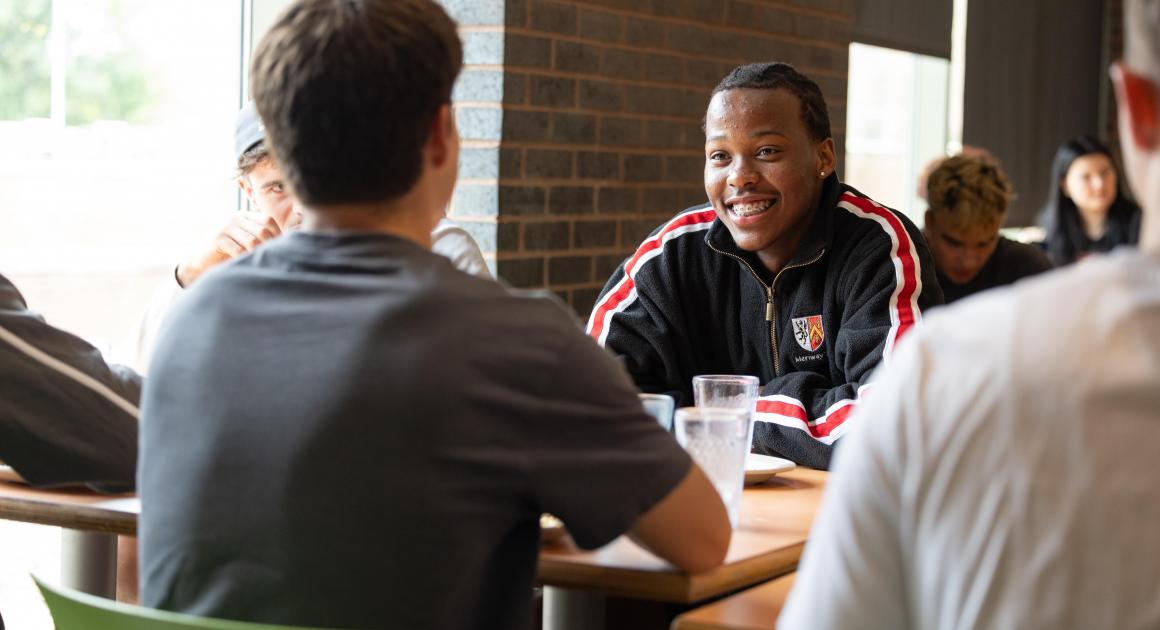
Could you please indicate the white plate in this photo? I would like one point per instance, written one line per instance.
(759, 468)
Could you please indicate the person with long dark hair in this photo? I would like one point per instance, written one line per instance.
(1086, 210)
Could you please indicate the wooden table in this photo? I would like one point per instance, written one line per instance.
(753, 609)
(92, 523)
(775, 521)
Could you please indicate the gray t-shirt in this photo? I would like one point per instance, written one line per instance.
(343, 430)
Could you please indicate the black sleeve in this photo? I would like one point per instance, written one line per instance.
(66, 416)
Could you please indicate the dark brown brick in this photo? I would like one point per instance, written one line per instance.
(694, 196)
(583, 300)
(771, 20)
(514, 88)
(569, 270)
(664, 68)
(527, 51)
(622, 64)
(634, 231)
(521, 272)
(548, 164)
(813, 27)
(507, 236)
(663, 134)
(645, 32)
(594, 234)
(612, 200)
(705, 72)
(550, 235)
(683, 168)
(607, 264)
(593, 165)
(642, 168)
(601, 26)
(574, 128)
(510, 163)
(665, 199)
(693, 134)
(515, 12)
(577, 57)
(601, 96)
(554, 17)
(655, 100)
(553, 91)
(571, 200)
(618, 131)
(521, 200)
(522, 125)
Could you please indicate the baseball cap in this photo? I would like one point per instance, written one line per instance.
(248, 130)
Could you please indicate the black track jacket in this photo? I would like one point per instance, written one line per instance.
(690, 302)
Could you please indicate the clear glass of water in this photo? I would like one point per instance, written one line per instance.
(737, 391)
(660, 407)
(717, 438)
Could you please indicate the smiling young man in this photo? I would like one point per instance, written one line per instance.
(786, 274)
(968, 202)
(343, 430)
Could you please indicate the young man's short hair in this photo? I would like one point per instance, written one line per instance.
(968, 192)
(775, 76)
(348, 92)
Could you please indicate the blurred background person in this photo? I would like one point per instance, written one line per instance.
(968, 204)
(1086, 210)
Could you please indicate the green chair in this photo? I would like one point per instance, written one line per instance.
(74, 610)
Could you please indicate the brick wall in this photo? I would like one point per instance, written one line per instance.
(582, 120)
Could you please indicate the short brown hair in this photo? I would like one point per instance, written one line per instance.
(348, 92)
(252, 157)
(967, 191)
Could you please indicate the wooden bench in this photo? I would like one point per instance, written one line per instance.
(752, 609)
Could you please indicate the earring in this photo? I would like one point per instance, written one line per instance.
(822, 174)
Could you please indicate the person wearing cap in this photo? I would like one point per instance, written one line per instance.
(273, 211)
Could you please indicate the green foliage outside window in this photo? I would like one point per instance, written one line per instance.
(105, 83)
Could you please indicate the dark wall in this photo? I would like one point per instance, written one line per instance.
(1034, 75)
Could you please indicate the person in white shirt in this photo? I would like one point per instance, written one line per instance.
(1002, 471)
(273, 211)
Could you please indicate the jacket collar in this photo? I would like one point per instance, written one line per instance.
(816, 240)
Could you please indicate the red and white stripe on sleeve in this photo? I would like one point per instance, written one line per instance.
(903, 307)
(624, 292)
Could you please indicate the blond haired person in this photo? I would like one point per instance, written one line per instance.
(968, 203)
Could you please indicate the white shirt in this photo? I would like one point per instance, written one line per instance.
(1004, 471)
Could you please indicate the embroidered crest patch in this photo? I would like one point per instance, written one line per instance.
(808, 332)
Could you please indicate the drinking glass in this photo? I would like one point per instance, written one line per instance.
(727, 390)
(717, 439)
(660, 407)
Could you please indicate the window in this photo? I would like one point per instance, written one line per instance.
(896, 123)
(116, 120)
(116, 161)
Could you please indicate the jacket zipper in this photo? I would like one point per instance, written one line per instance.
(770, 308)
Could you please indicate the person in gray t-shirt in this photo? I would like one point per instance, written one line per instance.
(340, 429)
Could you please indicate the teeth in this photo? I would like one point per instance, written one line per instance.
(749, 209)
